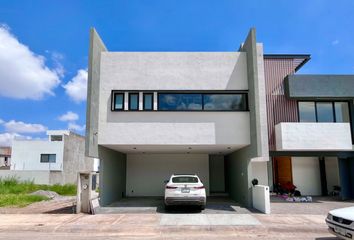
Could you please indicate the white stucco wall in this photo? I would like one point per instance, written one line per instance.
(26, 155)
(146, 172)
(313, 136)
(172, 71)
(260, 172)
(306, 175)
(175, 128)
(332, 172)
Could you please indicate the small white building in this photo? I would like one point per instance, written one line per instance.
(53, 161)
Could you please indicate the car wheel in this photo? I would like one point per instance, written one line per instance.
(167, 207)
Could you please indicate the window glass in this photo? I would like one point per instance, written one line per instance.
(225, 102)
(341, 111)
(324, 112)
(180, 101)
(54, 138)
(148, 101)
(48, 158)
(307, 112)
(133, 101)
(119, 101)
(184, 180)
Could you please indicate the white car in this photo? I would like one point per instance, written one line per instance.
(185, 189)
(341, 222)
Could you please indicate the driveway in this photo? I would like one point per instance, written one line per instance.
(215, 205)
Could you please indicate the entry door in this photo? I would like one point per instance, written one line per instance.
(282, 170)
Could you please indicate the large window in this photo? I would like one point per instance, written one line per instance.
(48, 158)
(133, 101)
(202, 101)
(235, 102)
(180, 101)
(322, 111)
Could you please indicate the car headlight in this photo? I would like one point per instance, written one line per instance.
(329, 216)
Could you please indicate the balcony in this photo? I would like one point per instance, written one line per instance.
(296, 136)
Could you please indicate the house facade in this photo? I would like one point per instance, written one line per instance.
(153, 114)
(310, 126)
(5, 157)
(56, 160)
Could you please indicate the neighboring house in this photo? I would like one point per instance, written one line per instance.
(5, 158)
(310, 126)
(53, 161)
(220, 115)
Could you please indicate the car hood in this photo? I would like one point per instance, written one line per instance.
(347, 213)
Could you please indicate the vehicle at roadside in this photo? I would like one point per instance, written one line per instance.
(341, 222)
(185, 189)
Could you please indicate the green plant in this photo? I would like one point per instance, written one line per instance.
(19, 200)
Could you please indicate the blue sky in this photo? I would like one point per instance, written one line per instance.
(42, 69)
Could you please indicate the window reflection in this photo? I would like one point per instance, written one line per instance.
(118, 101)
(133, 101)
(342, 112)
(307, 112)
(325, 112)
(148, 101)
(224, 102)
(180, 101)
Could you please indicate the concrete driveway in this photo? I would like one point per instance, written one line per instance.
(215, 205)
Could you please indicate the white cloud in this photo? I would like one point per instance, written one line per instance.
(76, 88)
(57, 58)
(6, 138)
(76, 127)
(1, 121)
(69, 116)
(21, 127)
(335, 42)
(23, 74)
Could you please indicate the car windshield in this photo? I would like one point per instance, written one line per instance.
(184, 179)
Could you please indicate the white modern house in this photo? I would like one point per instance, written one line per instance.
(152, 114)
(56, 160)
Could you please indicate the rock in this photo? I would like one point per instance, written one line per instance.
(48, 194)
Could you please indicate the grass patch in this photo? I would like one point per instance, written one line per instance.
(19, 200)
(14, 186)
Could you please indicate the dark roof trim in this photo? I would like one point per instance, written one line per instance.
(305, 57)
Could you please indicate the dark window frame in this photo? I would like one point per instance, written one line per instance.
(245, 94)
(324, 101)
(48, 156)
(113, 103)
(113, 92)
(152, 101)
(129, 100)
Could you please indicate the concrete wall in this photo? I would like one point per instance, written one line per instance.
(172, 71)
(319, 86)
(217, 173)
(146, 172)
(174, 128)
(26, 155)
(313, 136)
(306, 175)
(74, 158)
(38, 177)
(332, 172)
(93, 84)
(260, 172)
(112, 175)
(238, 163)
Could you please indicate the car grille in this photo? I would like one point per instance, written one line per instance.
(342, 220)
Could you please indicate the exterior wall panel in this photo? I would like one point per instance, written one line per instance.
(279, 108)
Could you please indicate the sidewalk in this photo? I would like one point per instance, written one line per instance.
(148, 226)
